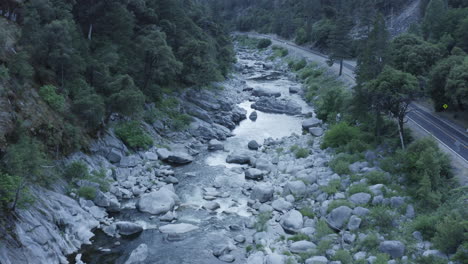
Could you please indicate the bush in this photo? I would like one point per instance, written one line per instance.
(180, 122)
(301, 153)
(340, 135)
(307, 211)
(299, 65)
(279, 52)
(87, 192)
(293, 148)
(370, 242)
(76, 170)
(332, 187)
(377, 177)
(341, 167)
(451, 232)
(382, 217)
(358, 188)
(133, 135)
(343, 256)
(49, 94)
(323, 246)
(384, 258)
(262, 219)
(322, 229)
(426, 224)
(263, 43)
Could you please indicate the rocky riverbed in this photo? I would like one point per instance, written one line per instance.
(230, 189)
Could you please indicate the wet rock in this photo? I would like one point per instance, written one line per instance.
(254, 174)
(179, 158)
(253, 145)
(292, 221)
(316, 131)
(317, 260)
(215, 144)
(128, 228)
(262, 192)
(360, 198)
(339, 216)
(273, 105)
(294, 90)
(394, 248)
(168, 217)
(158, 202)
(177, 228)
(311, 122)
(253, 116)
(238, 158)
(302, 246)
(138, 255)
(264, 92)
(211, 205)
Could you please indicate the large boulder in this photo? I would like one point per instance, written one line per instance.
(311, 122)
(128, 228)
(253, 116)
(281, 205)
(238, 158)
(296, 188)
(138, 255)
(253, 145)
(179, 158)
(360, 198)
(163, 153)
(317, 260)
(262, 192)
(254, 174)
(339, 216)
(292, 221)
(394, 248)
(316, 131)
(264, 92)
(177, 228)
(273, 105)
(215, 144)
(158, 202)
(302, 247)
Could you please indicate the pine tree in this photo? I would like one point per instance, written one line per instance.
(339, 41)
(433, 22)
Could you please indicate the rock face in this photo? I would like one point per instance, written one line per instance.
(339, 216)
(128, 228)
(262, 192)
(311, 122)
(158, 202)
(138, 255)
(394, 248)
(273, 105)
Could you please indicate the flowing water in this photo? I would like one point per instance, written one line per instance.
(208, 170)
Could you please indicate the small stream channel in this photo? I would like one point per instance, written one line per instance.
(209, 170)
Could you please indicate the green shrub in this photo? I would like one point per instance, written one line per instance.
(299, 65)
(301, 153)
(49, 94)
(279, 52)
(87, 192)
(76, 170)
(377, 177)
(426, 224)
(133, 135)
(323, 246)
(341, 167)
(383, 259)
(322, 229)
(462, 253)
(451, 232)
(332, 187)
(337, 203)
(99, 177)
(262, 219)
(344, 256)
(299, 237)
(339, 135)
(307, 211)
(279, 150)
(356, 146)
(180, 121)
(263, 43)
(293, 148)
(382, 217)
(431, 260)
(248, 248)
(371, 242)
(358, 188)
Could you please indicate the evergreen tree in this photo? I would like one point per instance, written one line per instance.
(339, 40)
(433, 22)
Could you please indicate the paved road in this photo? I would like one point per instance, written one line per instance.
(452, 136)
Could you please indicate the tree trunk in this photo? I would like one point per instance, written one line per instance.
(90, 32)
(341, 67)
(400, 130)
(17, 196)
